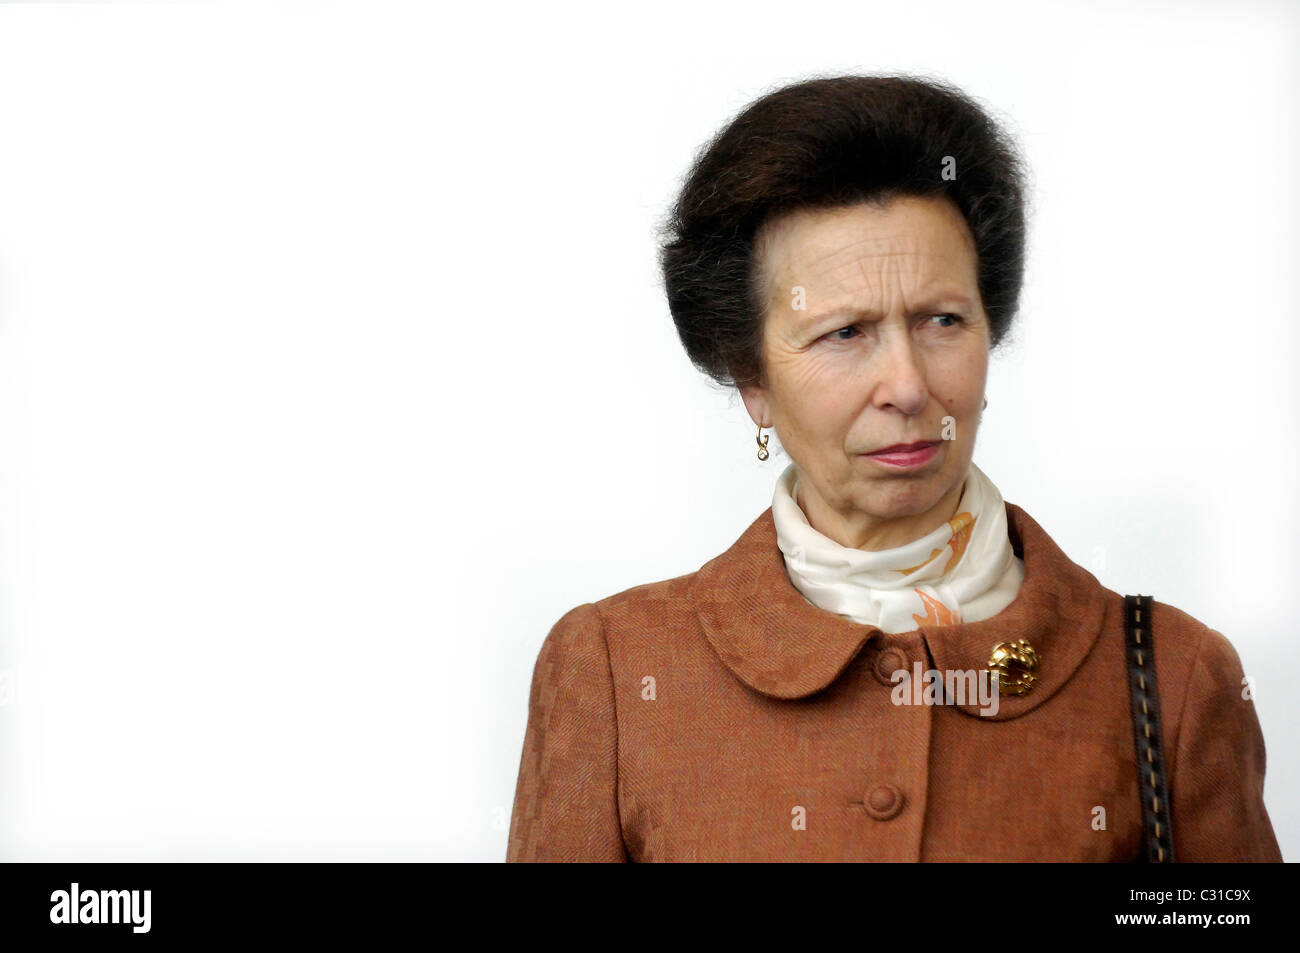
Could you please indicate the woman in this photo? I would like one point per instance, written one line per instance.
(891, 662)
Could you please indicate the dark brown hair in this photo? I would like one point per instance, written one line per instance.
(829, 142)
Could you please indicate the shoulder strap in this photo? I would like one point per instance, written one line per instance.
(1153, 788)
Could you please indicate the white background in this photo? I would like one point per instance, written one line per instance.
(334, 368)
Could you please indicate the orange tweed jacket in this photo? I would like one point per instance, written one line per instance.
(720, 716)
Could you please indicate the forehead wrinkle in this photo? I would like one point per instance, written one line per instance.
(820, 260)
(825, 259)
(885, 276)
(882, 287)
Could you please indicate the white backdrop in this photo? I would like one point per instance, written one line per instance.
(334, 368)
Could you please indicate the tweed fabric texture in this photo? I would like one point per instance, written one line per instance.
(720, 716)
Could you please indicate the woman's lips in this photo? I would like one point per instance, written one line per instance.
(908, 457)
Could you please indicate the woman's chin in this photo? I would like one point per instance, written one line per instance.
(889, 498)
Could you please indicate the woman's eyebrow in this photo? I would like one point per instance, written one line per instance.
(927, 301)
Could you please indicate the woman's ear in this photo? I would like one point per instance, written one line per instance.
(755, 399)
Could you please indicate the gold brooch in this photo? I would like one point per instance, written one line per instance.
(1015, 666)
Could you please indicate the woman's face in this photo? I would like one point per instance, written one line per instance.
(874, 335)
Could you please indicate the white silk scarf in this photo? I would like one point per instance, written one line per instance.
(964, 571)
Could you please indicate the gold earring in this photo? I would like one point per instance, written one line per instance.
(761, 439)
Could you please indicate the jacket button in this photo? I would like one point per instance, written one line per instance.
(888, 662)
(883, 802)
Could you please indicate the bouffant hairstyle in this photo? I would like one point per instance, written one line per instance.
(822, 143)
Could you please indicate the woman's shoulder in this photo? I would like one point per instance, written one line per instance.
(642, 608)
(1208, 658)
(591, 636)
(649, 595)
(1195, 664)
(750, 561)
(1175, 633)
(659, 612)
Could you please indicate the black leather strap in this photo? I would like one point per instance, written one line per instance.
(1144, 702)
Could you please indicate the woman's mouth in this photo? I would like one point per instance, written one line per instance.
(907, 456)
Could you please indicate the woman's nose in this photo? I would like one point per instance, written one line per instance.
(900, 378)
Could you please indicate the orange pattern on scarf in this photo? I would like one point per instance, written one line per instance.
(961, 525)
(936, 612)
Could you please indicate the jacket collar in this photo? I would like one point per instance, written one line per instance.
(780, 644)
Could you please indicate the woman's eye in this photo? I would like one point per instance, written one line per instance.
(849, 332)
